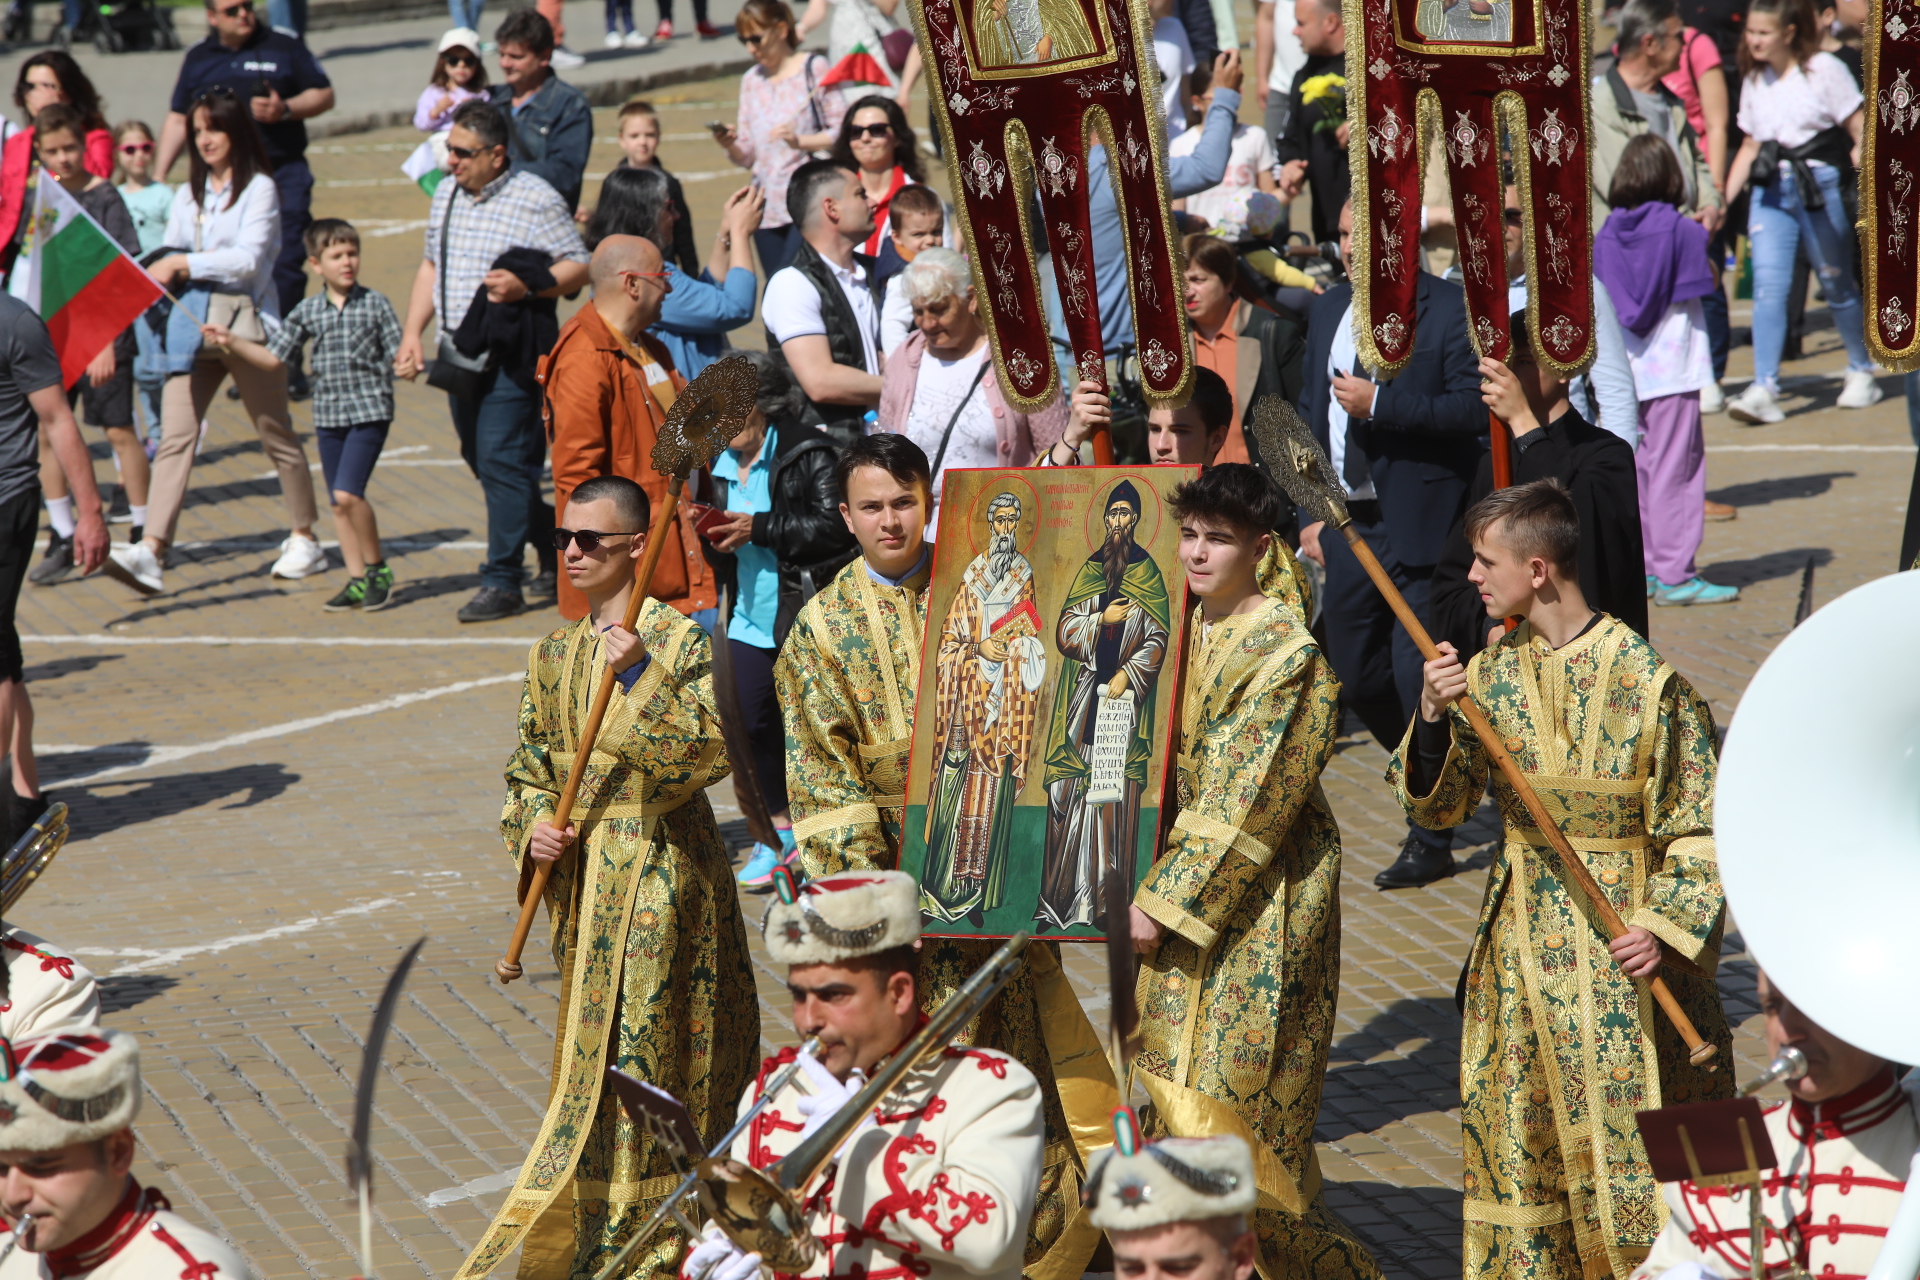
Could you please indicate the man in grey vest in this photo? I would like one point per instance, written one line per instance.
(822, 309)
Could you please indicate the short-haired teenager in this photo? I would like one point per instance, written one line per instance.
(1561, 1044)
(1244, 896)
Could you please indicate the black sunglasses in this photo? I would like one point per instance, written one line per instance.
(462, 60)
(1513, 217)
(590, 540)
(235, 10)
(465, 153)
(752, 39)
(868, 131)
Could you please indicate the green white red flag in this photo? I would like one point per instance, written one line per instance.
(78, 279)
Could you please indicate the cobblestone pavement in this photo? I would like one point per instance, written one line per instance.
(270, 802)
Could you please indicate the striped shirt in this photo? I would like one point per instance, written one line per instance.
(515, 211)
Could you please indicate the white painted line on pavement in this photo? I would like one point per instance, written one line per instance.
(266, 542)
(348, 642)
(478, 1187)
(173, 955)
(1809, 448)
(167, 755)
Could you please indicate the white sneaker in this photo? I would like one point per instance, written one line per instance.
(1712, 398)
(1755, 406)
(565, 59)
(636, 40)
(299, 556)
(134, 564)
(1859, 390)
(613, 40)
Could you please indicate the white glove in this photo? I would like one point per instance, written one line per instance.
(827, 1097)
(718, 1258)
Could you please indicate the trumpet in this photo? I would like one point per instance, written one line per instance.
(1790, 1064)
(763, 1213)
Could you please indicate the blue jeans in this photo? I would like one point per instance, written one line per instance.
(294, 182)
(466, 13)
(619, 16)
(1777, 226)
(503, 444)
(1913, 404)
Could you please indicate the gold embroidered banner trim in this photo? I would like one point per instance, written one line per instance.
(1233, 837)
(1189, 1113)
(847, 815)
(1495, 1214)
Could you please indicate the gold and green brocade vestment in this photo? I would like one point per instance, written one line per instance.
(846, 679)
(647, 935)
(1559, 1048)
(1237, 1002)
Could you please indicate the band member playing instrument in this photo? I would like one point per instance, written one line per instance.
(45, 987)
(1177, 1207)
(645, 914)
(1245, 896)
(66, 1144)
(846, 680)
(1844, 1139)
(1562, 1044)
(939, 1180)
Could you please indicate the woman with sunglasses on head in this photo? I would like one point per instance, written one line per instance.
(877, 143)
(458, 76)
(785, 113)
(227, 214)
(44, 80)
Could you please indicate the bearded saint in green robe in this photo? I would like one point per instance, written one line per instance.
(1113, 632)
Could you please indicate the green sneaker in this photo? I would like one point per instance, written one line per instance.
(379, 588)
(351, 596)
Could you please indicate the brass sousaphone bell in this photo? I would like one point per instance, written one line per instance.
(30, 855)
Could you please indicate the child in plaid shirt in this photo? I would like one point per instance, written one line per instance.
(355, 337)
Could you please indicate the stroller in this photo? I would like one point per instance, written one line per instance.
(114, 26)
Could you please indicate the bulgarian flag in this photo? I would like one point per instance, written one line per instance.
(78, 279)
(858, 67)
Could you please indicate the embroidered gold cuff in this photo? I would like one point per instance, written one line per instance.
(1694, 849)
(847, 815)
(1495, 1214)
(625, 1192)
(1196, 931)
(1219, 832)
(1673, 935)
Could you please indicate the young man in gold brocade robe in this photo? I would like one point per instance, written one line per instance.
(647, 930)
(1562, 1042)
(1239, 919)
(846, 680)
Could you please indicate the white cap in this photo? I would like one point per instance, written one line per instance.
(1131, 1187)
(460, 38)
(841, 917)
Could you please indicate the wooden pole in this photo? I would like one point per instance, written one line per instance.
(1501, 440)
(1698, 1050)
(508, 968)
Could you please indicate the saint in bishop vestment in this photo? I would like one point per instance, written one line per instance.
(1113, 632)
(991, 665)
(1031, 32)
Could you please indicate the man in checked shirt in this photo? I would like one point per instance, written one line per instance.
(488, 208)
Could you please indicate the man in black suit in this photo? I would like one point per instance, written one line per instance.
(1406, 449)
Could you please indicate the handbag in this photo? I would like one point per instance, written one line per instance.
(895, 45)
(453, 371)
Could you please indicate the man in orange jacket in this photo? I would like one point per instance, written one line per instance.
(608, 386)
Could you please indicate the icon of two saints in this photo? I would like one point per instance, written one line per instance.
(1112, 635)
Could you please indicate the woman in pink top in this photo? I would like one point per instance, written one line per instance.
(1701, 83)
(784, 115)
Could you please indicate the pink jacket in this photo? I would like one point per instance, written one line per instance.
(1022, 436)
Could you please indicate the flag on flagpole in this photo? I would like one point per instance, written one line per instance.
(78, 279)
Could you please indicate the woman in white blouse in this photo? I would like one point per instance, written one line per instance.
(229, 213)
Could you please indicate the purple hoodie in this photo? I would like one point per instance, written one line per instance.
(1650, 257)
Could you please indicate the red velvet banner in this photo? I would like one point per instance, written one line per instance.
(1017, 87)
(1888, 165)
(1462, 69)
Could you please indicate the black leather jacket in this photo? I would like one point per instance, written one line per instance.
(804, 529)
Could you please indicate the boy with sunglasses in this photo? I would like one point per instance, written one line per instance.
(645, 916)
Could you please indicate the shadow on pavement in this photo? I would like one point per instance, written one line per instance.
(1758, 493)
(156, 799)
(118, 994)
(1377, 1211)
(41, 672)
(1363, 1097)
(1775, 564)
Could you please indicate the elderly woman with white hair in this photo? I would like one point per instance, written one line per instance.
(939, 388)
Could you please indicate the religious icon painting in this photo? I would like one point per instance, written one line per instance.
(1041, 751)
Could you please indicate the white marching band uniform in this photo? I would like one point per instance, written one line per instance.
(81, 1085)
(1842, 1168)
(940, 1181)
(46, 987)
